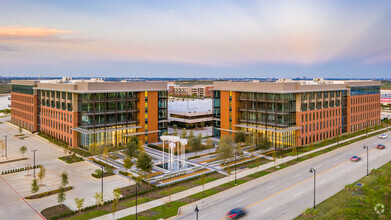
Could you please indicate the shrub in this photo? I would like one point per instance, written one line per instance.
(48, 193)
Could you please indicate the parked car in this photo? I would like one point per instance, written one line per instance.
(380, 147)
(355, 158)
(236, 213)
(383, 136)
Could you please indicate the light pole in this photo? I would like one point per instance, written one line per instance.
(366, 147)
(312, 170)
(196, 210)
(235, 168)
(102, 180)
(5, 144)
(34, 161)
(137, 186)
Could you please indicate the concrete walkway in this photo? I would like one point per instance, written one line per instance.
(189, 192)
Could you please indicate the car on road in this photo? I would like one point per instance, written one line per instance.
(236, 213)
(355, 158)
(381, 147)
(383, 136)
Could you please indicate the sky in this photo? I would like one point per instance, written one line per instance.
(203, 38)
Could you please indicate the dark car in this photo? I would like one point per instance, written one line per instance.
(380, 147)
(236, 213)
(355, 158)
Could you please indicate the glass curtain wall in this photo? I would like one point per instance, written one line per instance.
(216, 113)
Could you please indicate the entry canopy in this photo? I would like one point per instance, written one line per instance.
(170, 138)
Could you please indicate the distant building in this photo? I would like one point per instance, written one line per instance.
(385, 97)
(196, 90)
(85, 112)
(190, 113)
(294, 113)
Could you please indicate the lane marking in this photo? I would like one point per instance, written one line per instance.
(297, 194)
(277, 193)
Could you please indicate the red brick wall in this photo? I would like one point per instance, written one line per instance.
(24, 111)
(363, 110)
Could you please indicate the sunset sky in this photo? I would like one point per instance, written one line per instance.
(196, 38)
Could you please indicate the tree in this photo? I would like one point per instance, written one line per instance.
(61, 196)
(229, 173)
(225, 149)
(175, 133)
(169, 192)
(144, 162)
(191, 134)
(42, 173)
(105, 153)
(132, 147)
(203, 181)
(196, 143)
(274, 158)
(238, 148)
(79, 202)
(108, 169)
(64, 179)
(209, 144)
(114, 207)
(263, 143)
(183, 133)
(128, 162)
(294, 151)
(20, 129)
(249, 140)
(240, 137)
(94, 149)
(258, 162)
(34, 186)
(98, 199)
(23, 150)
(2, 147)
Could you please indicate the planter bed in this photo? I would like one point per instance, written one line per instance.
(102, 163)
(71, 159)
(48, 193)
(14, 160)
(104, 175)
(186, 175)
(19, 170)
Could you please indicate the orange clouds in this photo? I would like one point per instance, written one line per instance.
(29, 32)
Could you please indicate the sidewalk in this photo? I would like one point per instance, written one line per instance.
(186, 193)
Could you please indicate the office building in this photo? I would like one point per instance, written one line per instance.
(85, 112)
(294, 113)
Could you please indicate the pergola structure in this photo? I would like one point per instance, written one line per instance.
(174, 142)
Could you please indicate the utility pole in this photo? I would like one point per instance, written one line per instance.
(34, 162)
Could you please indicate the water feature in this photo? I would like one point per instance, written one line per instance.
(177, 165)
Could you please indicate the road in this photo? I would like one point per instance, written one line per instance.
(287, 193)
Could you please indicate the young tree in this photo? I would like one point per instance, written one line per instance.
(106, 153)
(20, 129)
(23, 150)
(183, 133)
(294, 151)
(258, 162)
(191, 134)
(238, 148)
(94, 149)
(229, 173)
(144, 162)
(79, 202)
(263, 143)
(240, 137)
(196, 143)
(98, 199)
(114, 207)
(42, 173)
(34, 186)
(128, 162)
(225, 149)
(175, 133)
(275, 158)
(169, 192)
(64, 179)
(132, 147)
(61, 196)
(203, 181)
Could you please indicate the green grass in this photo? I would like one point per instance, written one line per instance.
(346, 205)
(204, 194)
(163, 211)
(89, 215)
(133, 202)
(207, 180)
(174, 190)
(259, 174)
(232, 183)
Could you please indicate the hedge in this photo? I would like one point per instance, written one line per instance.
(105, 174)
(48, 193)
(19, 170)
(71, 159)
(102, 163)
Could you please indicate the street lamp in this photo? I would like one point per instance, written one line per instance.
(366, 147)
(34, 161)
(196, 210)
(137, 186)
(235, 167)
(102, 180)
(5, 144)
(312, 170)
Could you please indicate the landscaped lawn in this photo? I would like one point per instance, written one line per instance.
(90, 215)
(204, 194)
(359, 203)
(163, 211)
(259, 174)
(139, 201)
(207, 180)
(174, 190)
(232, 183)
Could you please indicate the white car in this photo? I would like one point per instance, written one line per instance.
(383, 136)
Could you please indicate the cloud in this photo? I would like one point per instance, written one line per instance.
(7, 48)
